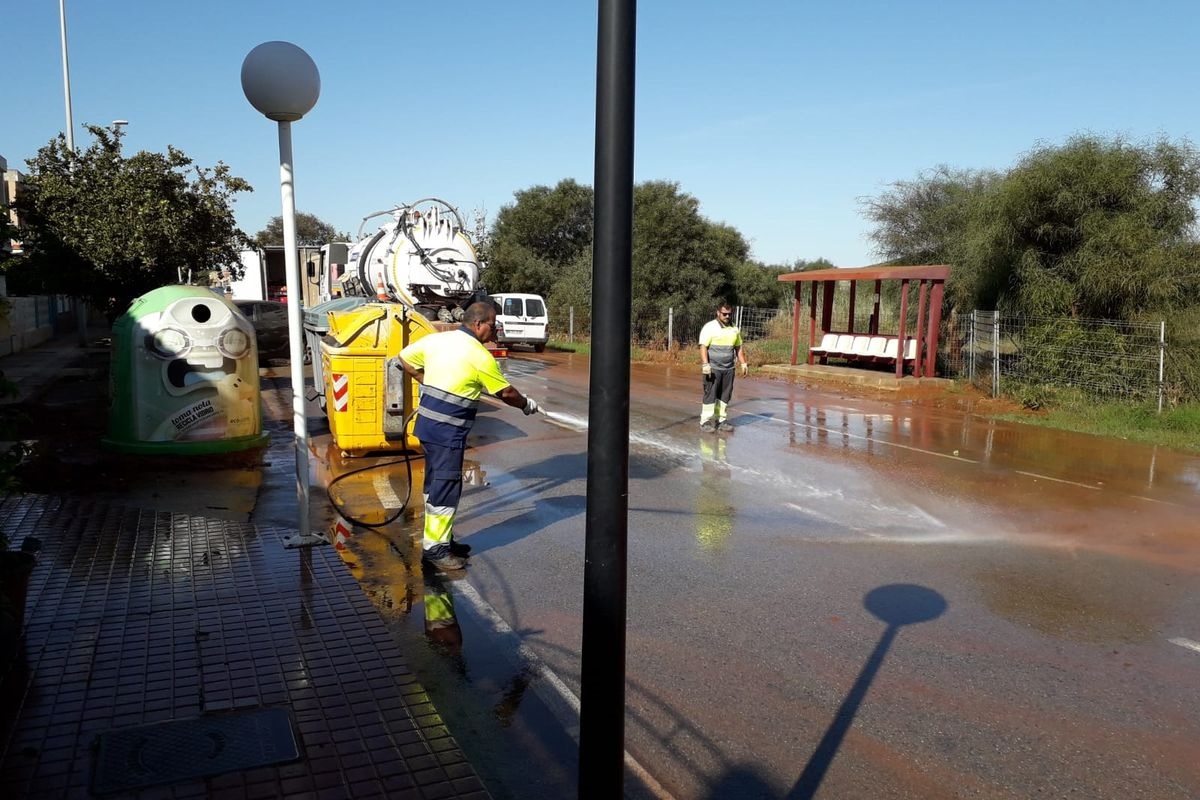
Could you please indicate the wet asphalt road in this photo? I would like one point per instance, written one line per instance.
(842, 598)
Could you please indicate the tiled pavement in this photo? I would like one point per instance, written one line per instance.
(138, 617)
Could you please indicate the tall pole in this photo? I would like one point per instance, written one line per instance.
(62, 27)
(291, 265)
(602, 676)
(81, 314)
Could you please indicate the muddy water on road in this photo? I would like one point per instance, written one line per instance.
(1069, 564)
(1038, 485)
(758, 666)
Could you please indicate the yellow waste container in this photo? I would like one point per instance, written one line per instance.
(368, 399)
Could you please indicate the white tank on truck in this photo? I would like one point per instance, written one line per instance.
(421, 258)
(416, 274)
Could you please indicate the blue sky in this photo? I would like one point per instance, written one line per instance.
(779, 116)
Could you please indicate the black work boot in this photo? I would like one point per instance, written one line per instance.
(441, 558)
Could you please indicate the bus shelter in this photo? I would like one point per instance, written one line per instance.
(915, 349)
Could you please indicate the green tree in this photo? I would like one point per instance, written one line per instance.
(543, 243)
(1093, 228)
(801, 265)
(757, 285)
(108, 228)
(534, 239)
(924, 220)
(573, 289)
(680, 259)
(311, 231)
(8, 232)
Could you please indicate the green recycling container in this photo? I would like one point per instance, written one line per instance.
(184, 376)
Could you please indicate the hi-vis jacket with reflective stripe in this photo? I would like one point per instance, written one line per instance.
(458, 369)
(722, 342)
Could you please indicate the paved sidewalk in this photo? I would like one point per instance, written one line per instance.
(33, 370)
(138, 617)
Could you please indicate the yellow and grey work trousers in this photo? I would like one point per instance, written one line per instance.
(718, 388)
(443, 488)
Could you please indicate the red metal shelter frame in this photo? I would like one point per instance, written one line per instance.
(932, 280)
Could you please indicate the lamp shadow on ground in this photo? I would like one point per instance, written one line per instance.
(896, 605)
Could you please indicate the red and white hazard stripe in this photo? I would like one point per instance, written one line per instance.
(341, 392)
(341, 534)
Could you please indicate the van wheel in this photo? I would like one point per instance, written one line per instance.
(539, 348)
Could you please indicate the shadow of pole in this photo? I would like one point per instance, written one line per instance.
(897, 605)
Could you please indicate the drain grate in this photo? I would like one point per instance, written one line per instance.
(169, 752)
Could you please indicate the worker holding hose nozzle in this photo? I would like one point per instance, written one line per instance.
(454, 369)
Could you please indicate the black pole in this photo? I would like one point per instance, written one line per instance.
(602, 678)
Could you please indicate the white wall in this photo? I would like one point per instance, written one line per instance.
(26, 324)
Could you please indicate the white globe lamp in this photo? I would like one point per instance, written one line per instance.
(281, 81)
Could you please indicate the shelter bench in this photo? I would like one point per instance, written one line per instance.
(861, 347)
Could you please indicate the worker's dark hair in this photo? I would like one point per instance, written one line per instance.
(482, 311)
(723, 303)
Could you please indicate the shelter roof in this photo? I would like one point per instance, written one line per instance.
(925, 271)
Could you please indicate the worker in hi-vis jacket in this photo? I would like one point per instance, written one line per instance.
(454, 369)
(720, 351)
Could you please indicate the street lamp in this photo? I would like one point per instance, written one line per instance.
(117, 124)
(81, 313)
(62, 29)
(281, 81)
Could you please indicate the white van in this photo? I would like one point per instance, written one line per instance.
(523, 319)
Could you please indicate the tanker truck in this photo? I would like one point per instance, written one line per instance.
(420, 257)
(413, 276)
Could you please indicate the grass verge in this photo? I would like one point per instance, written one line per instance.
(570, 347)
(1177, 427)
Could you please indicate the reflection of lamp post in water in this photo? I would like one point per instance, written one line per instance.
(281, 81)
(897, 604)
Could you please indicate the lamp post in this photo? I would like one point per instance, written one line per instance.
(281, 81)
(81, 314)
(606, 556)
(62, 28)
(117, 124)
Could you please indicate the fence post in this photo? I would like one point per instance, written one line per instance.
(571, 324)
(670, 328)
(1162, 349)
(971, 351)
(996, 353)
(739, 317)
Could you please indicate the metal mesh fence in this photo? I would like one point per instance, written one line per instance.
(756, 323)
(1099, 358)
(1000, 353)
(682, 328)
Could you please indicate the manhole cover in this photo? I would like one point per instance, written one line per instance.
(179, 750)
